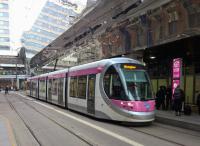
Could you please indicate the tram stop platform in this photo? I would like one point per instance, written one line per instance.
(6, 133)
(191, 122)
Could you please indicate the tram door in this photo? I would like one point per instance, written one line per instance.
(66, 91)
(91, 94)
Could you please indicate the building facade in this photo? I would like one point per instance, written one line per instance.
(51, 22)
(155, 32)
(13, 71)
(162, 31)
(4, 26)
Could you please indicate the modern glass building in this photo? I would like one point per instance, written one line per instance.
(4, 26)
(51, 22)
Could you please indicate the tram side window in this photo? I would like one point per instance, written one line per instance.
(34, 88)
(54, 87)
(73, 86)
(60, 90)
(49, 98)
(113, 86)
(82, 81)
(42, 88)
(91, 86)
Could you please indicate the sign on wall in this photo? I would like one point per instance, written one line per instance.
(176, 73)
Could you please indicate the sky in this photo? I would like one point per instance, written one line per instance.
(23, 13)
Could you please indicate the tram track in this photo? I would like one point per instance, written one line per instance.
(91, 144)
(79, 136)
(26, 125)
(86, 140)
(158, 137)
(175, 130)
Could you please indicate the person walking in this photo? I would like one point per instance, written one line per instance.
(178, 98)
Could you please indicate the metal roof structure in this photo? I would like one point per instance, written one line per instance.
(100, 20)
(96, 19)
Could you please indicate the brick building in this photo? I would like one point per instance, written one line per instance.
(165, 30)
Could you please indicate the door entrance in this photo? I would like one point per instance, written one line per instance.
(91, 95)
(66, 91)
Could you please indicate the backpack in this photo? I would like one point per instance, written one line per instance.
(177, 94)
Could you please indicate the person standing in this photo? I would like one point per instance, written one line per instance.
(169, 98)
(178, 98)
(160, 98)
(6, 90)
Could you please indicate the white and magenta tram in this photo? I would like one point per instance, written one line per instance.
(116, 89)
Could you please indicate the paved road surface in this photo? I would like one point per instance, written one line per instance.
(36, 123)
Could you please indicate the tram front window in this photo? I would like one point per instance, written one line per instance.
(127, 82)
(113, 86)
(138, 84)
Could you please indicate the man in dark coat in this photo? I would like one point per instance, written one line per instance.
(160, 98)
(178, 99)
(168, 98)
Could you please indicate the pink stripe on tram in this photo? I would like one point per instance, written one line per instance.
(42, 78)
(33, 78)
(86, 71)
(61, 75)
(73, 73)
(136, 106)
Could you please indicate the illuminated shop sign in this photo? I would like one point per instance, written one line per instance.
(176, 73)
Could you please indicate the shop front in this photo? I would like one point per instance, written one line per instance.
(159, 61)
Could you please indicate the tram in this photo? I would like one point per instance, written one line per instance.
(116, 89)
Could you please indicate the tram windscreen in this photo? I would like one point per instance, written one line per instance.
(137, 82)
(127, 82)
(113, 86)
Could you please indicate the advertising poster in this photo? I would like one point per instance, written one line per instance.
(176, 73)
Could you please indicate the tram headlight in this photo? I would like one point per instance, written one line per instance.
(130, 104)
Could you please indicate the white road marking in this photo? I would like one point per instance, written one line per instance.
(122, 138)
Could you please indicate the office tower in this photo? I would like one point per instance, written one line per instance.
(4, 26)
(51, 22)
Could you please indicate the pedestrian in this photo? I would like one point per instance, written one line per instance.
(160, 98)
(178, 98)
(198, 102)
(169, 98)
(6, 90)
